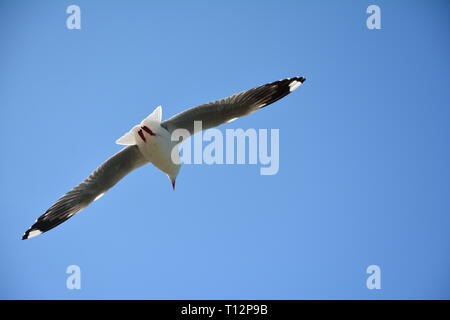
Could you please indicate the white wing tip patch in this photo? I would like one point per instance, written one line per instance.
(34, 233)
(294, 85)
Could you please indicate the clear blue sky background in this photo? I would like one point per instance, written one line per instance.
(364, 150)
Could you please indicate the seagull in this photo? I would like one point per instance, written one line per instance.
(150, 142)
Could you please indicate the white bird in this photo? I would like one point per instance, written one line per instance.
(150, 142)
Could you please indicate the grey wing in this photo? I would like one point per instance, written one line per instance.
(225, 110)
(100, 181)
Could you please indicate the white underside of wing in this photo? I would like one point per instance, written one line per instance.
(231, 120)
(99, 196)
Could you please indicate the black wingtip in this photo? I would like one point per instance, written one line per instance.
(301, 79)
(25, 235)
(32, 232)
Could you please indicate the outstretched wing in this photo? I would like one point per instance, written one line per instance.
(100, 181)
(225, 110)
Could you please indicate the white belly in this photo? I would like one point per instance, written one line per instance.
(158, 150)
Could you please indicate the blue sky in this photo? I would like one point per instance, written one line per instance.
(364, 176)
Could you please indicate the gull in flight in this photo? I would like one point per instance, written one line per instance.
(150, 142)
